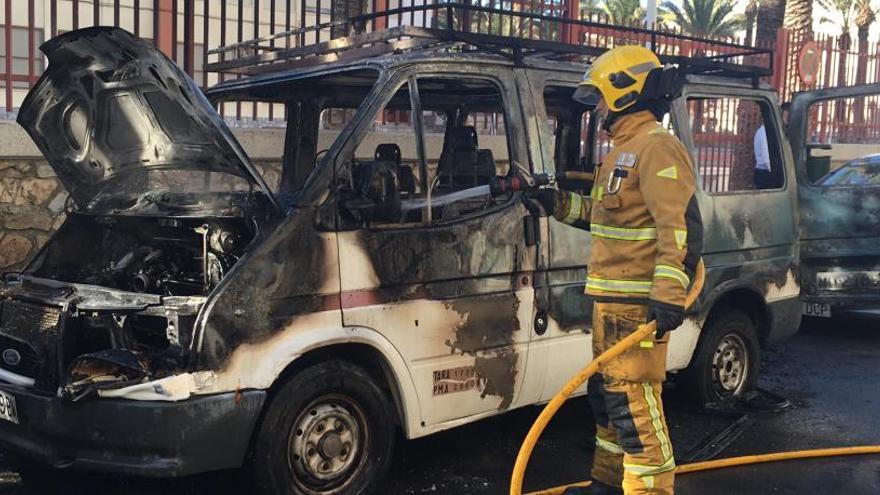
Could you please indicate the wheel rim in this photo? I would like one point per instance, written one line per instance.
(327, 444)
(730, 365)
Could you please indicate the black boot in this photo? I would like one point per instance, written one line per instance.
(595, 488)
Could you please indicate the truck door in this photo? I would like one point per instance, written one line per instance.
(835, 138)
(558, 134)
(448, 282)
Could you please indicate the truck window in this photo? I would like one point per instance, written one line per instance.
(258, 124)
(466, 142)
(572, 128)
(736, 144)
(579, 141)
(465, 145)
(287, 127)
(842, 142)
(392, 139)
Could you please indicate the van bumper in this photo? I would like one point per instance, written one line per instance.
(848, 304)
(156, 439)
(785, 318)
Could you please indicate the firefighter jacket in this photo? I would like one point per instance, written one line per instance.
(647, 233)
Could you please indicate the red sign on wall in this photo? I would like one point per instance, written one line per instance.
(808, 62)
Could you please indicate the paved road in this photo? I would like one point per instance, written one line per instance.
(828, 371)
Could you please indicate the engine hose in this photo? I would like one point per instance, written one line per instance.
(642, 332)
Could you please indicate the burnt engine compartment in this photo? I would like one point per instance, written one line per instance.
(154, 255)
(144, 280)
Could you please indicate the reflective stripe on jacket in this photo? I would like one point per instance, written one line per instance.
(647, 233)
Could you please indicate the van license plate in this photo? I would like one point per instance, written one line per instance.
(8, 410)
(817, 309)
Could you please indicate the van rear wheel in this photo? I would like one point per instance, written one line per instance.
(727, 359)
(329, 430)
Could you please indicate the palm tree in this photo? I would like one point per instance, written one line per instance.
(704, 18)
(624, 12)
(769, 20)
(750, 16)
(844, 11)
(590, 7)
(799, 18)
(865, 17)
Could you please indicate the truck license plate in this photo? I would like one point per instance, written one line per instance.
(7, 408)
(817, 309)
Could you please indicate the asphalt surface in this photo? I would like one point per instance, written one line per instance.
(828, 372)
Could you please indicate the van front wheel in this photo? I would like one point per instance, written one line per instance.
(329, 430)
(727, 359)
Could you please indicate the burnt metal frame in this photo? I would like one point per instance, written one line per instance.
(261, 58)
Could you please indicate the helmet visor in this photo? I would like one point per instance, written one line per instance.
(587, 94)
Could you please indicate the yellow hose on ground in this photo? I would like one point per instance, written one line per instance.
(744, 461)
(528, 445)
(641, 333)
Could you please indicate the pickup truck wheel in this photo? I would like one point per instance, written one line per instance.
(329, 430)
(727, 359)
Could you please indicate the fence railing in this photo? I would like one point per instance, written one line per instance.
(190, 30)
(517, 33)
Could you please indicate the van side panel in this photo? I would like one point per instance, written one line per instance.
(750, 243)
(292, 275)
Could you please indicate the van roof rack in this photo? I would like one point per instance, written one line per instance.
(469, 28)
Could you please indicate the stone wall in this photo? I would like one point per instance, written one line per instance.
(31, 198)
(31, 207)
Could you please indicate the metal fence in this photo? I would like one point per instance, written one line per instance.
(190, 31)
(187, 30)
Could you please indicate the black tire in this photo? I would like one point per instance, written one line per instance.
(717, 371)
(329, 430)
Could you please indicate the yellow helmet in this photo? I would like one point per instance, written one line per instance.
(618, 76)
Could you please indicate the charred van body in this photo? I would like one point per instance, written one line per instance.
(188, 317)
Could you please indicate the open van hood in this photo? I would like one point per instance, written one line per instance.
(111, 107)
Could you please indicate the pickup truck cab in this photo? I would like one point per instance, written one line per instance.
(191, 316)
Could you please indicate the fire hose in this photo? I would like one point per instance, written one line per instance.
(641, 333)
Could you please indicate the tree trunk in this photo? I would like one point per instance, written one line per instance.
(799, 18)
(861, 76)
(751, 15)
(845, 42)
(770, 15)
(742, 172)
(750, 28)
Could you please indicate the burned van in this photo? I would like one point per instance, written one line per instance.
(190, 316)
(833, 135)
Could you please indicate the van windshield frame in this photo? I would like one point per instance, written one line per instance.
(307, 167)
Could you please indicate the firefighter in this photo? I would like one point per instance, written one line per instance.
(646, 241)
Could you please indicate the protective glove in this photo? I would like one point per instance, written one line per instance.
(668, 317)
(547, 197)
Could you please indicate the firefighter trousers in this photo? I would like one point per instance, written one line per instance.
(633, 450)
